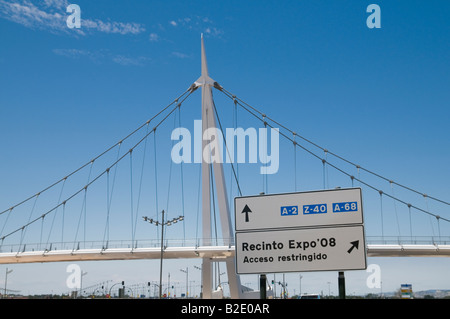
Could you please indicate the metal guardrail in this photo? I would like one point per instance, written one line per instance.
(423, 246)
(141, 243)
(408, 240)
(193, 242)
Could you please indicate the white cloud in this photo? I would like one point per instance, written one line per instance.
(27, 14)
(60, 4)
(95, 56)
(100, 56)
(153, 37)
(198, 24)
(51, 15)
(112, 27)
(71, 53)
(124, 60)
(214, 32)
(180, 55)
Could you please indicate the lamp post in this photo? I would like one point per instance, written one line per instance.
(187, 279)
(300, 294)
(6, 279)
(201, 281)
(81, 283)
(162, 223)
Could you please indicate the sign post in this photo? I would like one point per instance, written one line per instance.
(341, 284)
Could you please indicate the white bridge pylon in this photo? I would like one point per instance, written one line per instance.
(209, 121)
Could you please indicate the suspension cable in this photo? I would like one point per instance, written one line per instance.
(247, 107)
(190, 90)
(140, 182)
(182, 177)
(251, 110)
(90, 182)
(228, 151)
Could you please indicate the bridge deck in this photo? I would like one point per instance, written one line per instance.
(214, 252)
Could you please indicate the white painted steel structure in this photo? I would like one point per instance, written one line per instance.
(217, 253)
(209, 121)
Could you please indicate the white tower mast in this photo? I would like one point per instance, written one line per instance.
(209, 121)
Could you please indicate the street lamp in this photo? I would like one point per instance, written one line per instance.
(201, 281)
(187, 279)
(162, 223)
(300, 294)
(6, 278)
(81, 283)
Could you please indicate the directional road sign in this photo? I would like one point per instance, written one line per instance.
(302, 249)
(302, 209)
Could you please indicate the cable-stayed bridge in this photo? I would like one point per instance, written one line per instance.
(95, 212)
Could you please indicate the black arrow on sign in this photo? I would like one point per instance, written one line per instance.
(246, 210)
(355, 244)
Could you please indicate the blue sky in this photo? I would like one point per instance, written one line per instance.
(377, 97)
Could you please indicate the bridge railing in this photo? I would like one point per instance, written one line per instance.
(408, 240)
(112, 244)
(196, 242)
